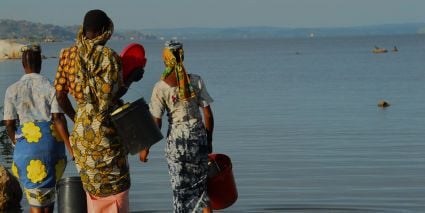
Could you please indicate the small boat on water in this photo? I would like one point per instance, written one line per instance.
(379, 50)
(395, 49)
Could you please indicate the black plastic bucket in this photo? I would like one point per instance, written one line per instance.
(71, 195)
(135, 126)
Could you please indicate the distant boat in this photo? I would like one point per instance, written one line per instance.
(395, 49)
(379, 50)
(49, 40)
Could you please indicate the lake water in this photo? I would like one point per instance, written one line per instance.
(299, 119)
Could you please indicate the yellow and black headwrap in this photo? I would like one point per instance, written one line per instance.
(172, 50)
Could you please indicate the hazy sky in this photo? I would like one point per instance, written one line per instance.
(140, 14)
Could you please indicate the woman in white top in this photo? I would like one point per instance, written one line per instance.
(37, 127)
(189, 139)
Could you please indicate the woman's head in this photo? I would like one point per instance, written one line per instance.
(176, 48)
(31, 58)
(96, 22)
(173, 57)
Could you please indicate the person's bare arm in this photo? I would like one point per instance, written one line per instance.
(158, 122)
(209, 125)
(61, 127)
(11, 129)
(65, 104)
(143, 155)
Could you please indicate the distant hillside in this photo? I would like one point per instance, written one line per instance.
(25, 30)
(30, 31)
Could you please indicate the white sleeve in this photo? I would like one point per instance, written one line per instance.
(157, 104)
(204, 98)
(55, 108)
(9, 109)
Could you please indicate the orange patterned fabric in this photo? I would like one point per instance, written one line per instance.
(66, 74)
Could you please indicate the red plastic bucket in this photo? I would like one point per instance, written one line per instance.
(221, 183)
(132, 56)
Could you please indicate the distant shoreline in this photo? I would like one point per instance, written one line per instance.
(26, 31)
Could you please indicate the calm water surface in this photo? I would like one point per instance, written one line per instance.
(299, 118)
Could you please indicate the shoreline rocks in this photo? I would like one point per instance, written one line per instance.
(10, 191)
(10, 50)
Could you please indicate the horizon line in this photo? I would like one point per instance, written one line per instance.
(235, 27)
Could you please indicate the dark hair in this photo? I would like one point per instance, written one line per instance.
(96, 21)
(32, 60)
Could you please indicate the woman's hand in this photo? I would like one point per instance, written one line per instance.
(143, 155)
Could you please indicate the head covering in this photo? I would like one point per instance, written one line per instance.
(89, 61)
(86, 46)
(173, 45)
(171, 49)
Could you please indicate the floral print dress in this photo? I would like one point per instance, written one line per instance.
(39, 157)
(91, 73)
(187, 148)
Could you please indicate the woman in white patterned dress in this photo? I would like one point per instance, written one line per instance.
(189, 139)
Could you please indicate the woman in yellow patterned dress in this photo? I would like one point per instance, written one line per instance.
(91, 73)
(39, 157)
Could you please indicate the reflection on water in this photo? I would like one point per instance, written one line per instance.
(6, 148)
(301, 209)
(319, 209)
(6, 151)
